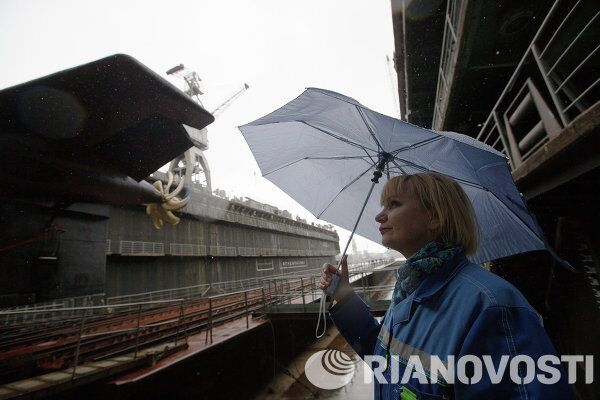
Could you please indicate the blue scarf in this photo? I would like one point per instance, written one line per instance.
(420, 265)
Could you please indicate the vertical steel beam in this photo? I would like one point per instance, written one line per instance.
(77, 348)
(246, 308)
(137, 331)
(210, 321)
(302, 289)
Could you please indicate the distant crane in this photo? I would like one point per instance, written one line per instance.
(200, 171)
(217, 111)
(191, 78)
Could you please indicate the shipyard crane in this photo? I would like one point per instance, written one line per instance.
(199, 174)
(191, 79)
(217, 111)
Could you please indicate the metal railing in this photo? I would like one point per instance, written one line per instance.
(187, 249)
(43, 311)
(235, 217)
(226, 251)
(99, 332)
(137, 248)
(304, 290)
(225, 287)
(189, 292)
(249, 251)
(556, 80)
(76, 320)
(203, 205)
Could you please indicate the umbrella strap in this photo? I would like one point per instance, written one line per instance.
(323, 302)
(322, 312)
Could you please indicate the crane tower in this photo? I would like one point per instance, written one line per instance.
(194, 157)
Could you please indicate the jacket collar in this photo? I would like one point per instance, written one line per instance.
(429, 287)
(438, 279)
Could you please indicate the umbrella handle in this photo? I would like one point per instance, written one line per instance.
(333, 285)
(336, 279)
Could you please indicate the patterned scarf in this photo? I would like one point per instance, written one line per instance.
(421, 264)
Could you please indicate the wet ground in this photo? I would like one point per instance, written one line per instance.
(292, 383)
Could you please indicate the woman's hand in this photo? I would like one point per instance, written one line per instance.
(329, 271)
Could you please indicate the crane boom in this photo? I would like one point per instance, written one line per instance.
(228, 102)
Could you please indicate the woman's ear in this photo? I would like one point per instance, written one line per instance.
(434, 225)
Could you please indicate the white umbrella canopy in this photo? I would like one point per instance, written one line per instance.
(322, 149)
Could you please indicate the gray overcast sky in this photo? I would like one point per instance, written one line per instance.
(278, 47)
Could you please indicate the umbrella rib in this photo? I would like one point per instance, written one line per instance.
(285, 165)
(344, 188)
(358, 107)
(316, 158)
(518, 218)
(336, 158)
(469, 183)
(330, 95)
(379, 147)
(418, 144)
(398, 165)
(411, 165)
(368, 155)
(350, 142)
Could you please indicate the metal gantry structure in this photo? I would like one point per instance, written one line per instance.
(90, 342)
(194, 157)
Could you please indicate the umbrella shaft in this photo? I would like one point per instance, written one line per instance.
(357, 221)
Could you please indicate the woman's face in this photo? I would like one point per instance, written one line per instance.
(404, 224)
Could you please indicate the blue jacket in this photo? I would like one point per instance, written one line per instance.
(460, 309)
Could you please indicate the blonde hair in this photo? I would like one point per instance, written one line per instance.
(447, 203)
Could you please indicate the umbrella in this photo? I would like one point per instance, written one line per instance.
(327, 151)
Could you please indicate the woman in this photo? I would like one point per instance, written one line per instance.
(443, 306)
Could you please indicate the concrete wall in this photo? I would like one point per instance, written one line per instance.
(126, 275)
